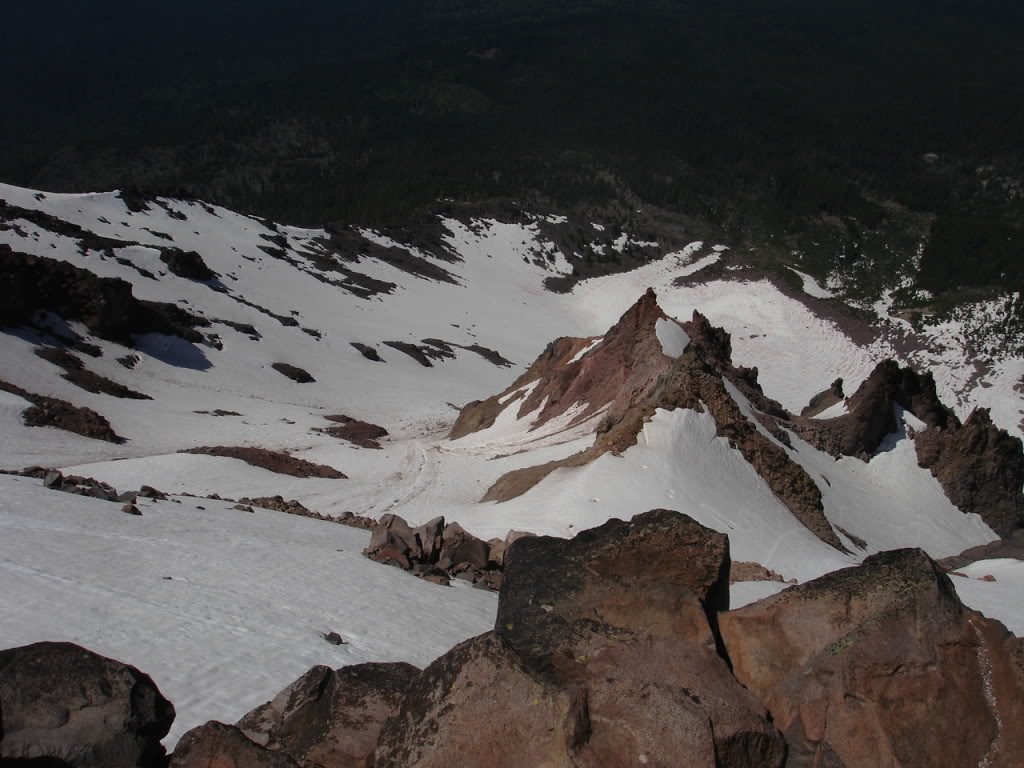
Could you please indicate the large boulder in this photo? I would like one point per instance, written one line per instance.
(61, 701)
(881, 664)
(605, 653)
(216, 745)
(331, 718)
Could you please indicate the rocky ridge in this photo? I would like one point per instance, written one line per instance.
(621, 379)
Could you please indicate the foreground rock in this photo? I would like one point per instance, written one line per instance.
(331, 718)
(216, 745)
(605, 655)
(882, 665)
(62, 701)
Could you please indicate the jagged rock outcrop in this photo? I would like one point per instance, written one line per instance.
(104, 305)
(216, 745)
(434, 551)
(605, 654)
(871, 412)
(629, 376)
(329, 718)
(980, 467)
(873, 665)
(187, 264)
(61, 701)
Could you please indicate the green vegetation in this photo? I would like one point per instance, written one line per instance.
(848, 133)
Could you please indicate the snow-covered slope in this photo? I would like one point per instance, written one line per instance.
(249, 593)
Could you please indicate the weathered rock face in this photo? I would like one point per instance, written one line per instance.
(605, 655)
(51, 412)
(216, 745)
(331, 718)
(980, 467)
(62, 701)
(872, 665)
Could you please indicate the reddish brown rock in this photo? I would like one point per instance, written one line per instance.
(357, 432)
(216, 745)
(605, 655)
(51, 412)
(870, 666)
(629, 376)
(331, 718)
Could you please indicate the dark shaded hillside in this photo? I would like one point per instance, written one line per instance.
(788, 122)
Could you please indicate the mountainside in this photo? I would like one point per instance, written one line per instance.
(475, 365)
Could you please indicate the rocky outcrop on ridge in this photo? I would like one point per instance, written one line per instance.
(104, 305)
(612, 649)
(980, 467)
(628, 377)
(62, 701)
(871, 412)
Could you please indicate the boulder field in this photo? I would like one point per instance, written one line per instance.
(614, 648)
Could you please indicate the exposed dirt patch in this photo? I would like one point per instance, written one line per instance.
(358, 432)
(272, 461)
(293, 372)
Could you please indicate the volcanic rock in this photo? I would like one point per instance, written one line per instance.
(605, 655)
(824, 400)
(331, 718)
(62, 701)
(871, 412)
(870, 665)
(980, 467)
(216, 745)
(629, 377)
